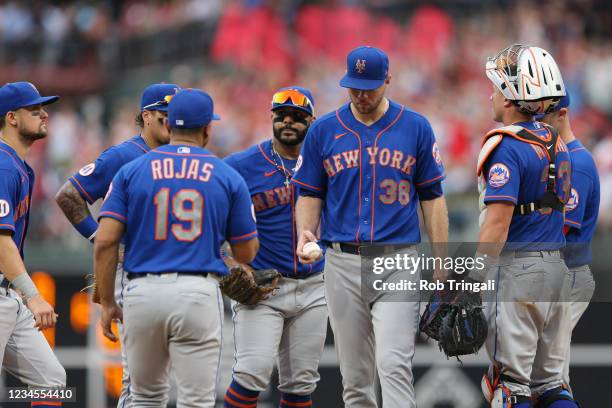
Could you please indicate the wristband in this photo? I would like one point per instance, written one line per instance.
(87, 227)
(25, 285)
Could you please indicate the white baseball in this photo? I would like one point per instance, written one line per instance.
(312, 250)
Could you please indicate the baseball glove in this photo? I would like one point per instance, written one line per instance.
(458, 325)
(249, 288)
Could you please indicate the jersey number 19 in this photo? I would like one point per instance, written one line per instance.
(192, 214)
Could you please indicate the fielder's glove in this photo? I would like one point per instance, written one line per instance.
(249, 288)
(456, 321)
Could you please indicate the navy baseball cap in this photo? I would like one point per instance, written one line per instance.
(16, 95)
(294, 97)
(563, 103)
(367, 68)
(191, 108)
(157, 96)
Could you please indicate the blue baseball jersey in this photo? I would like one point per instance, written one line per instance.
(367, 176)
(274, 204)
(16, 185)
(93, 179)
(582, 209)
(517, 172)
(179, 204)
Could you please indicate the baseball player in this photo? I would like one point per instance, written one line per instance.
(295, 318)
(581, 213)
(177, 205)
(525, 174)
(91, 183)
(364, 169)
(24, 351)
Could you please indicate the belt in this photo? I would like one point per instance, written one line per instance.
(5, 283)
(540, 254)
(132, 275)
(355, 249)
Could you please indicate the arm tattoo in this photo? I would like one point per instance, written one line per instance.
(72, 204)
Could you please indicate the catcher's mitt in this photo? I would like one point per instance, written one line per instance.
(458, 325)
(249, 289)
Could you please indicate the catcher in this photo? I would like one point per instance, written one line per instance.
(292, 324)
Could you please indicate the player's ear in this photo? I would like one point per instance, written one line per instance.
(146, 116)
(11, 118)
(563, 113)
(388, 80)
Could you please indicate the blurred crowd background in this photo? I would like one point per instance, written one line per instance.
(99, 55)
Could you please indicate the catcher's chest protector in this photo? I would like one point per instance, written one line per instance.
(548, 144)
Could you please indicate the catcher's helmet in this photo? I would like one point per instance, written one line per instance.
(527, 75)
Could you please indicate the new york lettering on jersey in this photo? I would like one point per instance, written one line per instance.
(371, 168)
(93, 179)
(582, 208)
(190, 198)
(517, 172)
(16, 185)
(274, 204)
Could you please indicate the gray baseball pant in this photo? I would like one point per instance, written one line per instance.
(24, 351)
(290, 325)
(529, 321)
(370, 337)
(173, 319)
(582, 289)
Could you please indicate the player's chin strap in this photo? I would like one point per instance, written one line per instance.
(548, 145)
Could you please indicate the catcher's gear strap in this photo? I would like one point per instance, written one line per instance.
(548, 144)
(551, 396)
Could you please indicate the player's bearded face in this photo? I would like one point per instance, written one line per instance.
(32, 122)
(290, 125)
(366, 102)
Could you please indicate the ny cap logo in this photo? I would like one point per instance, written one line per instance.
(360, 66)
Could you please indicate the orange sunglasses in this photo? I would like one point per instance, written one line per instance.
(297, 98)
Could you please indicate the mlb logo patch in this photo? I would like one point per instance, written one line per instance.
(499, 175)
(179, 122)
(572, 203)
(183, 150)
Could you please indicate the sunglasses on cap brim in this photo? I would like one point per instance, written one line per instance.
(163, 102)
(293, 97)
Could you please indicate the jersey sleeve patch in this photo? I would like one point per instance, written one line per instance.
(5, 208)
(573, 201)
(87, 170)
(435, 152)
(499, 175)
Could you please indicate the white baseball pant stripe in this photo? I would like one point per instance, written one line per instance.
(367, 337)
(173, 319)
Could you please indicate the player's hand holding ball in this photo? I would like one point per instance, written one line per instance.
(308, 250)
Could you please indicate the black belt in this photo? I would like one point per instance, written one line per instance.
(5, 283)
(132, 275)
(540, 254)
(355, 249)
